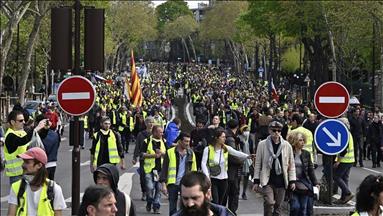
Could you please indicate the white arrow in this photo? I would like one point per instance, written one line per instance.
(336, 142)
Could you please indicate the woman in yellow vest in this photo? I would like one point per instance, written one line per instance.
(215, 164)
(369, 197)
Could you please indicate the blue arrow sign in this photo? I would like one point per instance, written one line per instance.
(331, 137)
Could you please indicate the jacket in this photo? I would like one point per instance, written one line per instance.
(218, 210)
(112, 172)
(235, 164)
(308, 167)
(261, 169)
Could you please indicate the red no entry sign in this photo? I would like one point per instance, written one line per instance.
(331, 99)
(76, 95)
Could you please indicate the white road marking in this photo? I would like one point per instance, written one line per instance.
(85, 163)
(76, 96)
(188, 115)
(374, 171)
(332, 99)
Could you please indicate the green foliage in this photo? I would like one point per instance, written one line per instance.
(131, 22)
(170, 11)
(290, 60)
(181, 27)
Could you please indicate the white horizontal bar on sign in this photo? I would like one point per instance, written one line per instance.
(332, 99)
(76, 96)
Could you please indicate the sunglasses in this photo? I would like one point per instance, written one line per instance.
(276, 130)
(21, 120)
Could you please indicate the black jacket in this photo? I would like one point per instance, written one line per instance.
(374, 134)
(235, 164)
(218, 210)
(112, 172)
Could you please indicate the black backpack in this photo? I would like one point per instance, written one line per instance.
(50, 191)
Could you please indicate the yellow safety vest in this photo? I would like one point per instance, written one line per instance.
(44, 207)
(212, 155)
(144, 114)
(234, 106)
(112, 148)
(349, 156)
(172, 171)
(223, 117)
(86, 122)
(309, 141)
(131, 123)
(150, 163)
(13, 165)
(114, 118)
(249, 124)
(123, 121)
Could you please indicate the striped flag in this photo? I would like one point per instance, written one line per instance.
(273, 90)
(127, 92)
(135, 86)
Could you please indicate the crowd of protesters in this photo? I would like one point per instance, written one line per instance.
(240, 131)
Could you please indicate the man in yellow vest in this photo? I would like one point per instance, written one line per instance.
(35, 194)
(153, 151)
(343, 163)
(106, 147)
(178, 161)
(16, 142)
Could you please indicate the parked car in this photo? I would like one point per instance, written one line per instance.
(32, 106)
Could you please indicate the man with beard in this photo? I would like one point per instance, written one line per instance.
(196, 195)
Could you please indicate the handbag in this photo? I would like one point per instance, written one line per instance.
(215, 170)
(36, 141)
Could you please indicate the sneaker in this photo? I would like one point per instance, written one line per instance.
(143, 198)
(148, 208)
(156, 211)
(348, 198)
(244, 197)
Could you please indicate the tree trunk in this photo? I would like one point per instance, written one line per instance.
(271, 60)
(332, 46)
(7, 35)
(193, 48)
(186, 48)
(26, 66)
(256, 56)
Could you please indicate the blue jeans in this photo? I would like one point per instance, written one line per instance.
(300, 205)
(173, 198)
(341, 176)
(153, 191)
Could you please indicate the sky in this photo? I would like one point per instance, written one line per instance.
(191, 4)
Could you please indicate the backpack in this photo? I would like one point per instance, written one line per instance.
(50, 191)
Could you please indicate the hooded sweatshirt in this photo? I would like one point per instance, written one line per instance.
(112, 172)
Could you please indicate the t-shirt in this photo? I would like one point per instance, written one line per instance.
(33, 198)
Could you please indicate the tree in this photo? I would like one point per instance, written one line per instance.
(182, 27)
(129, 23)
(41, 8)
(220, 25)
(13, 12)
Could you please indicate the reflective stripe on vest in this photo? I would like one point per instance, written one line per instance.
(150, 163)
(13, 164)
(212, 155)
(112, 148)
(114, 118)
(172, 170)
(85, 122)
(349, 156)
(44, 206)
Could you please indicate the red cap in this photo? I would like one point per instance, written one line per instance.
(35, 153)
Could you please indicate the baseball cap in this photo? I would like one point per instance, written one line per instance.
(35, 153)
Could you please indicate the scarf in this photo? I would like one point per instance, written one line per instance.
(277, 164)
